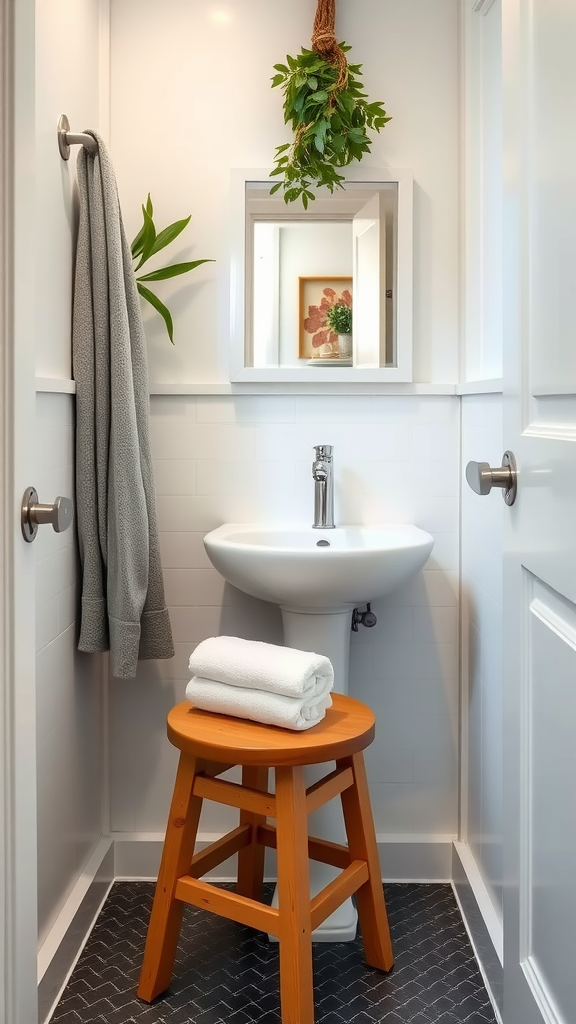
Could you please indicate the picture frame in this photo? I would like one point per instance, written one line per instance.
(312, 292)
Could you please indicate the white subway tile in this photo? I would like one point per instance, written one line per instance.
(437, 514)
(54, 574)
(175, 476)
(172, 408)
(67, 608)
(183, 550)
(436, 625)
(194, 587)
(349, 409)
(46, 623)
(248, 479)
(389, 762)
(246, 409)
(194, 513)
(393, 807)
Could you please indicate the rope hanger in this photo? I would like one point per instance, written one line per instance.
(324, 41)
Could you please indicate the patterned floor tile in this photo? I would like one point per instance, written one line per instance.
(228, 974)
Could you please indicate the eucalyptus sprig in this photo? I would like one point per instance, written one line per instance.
(146, 244)
(329, 119)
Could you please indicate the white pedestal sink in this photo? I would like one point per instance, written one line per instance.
(317, 577)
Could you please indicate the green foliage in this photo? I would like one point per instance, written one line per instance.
(339, 319)
(146, 244)
(329, 122)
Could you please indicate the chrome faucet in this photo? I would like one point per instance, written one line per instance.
(323, 488)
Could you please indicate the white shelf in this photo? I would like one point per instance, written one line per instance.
(56, 385)
(494, 386)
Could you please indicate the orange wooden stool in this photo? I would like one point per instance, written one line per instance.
(209, 745)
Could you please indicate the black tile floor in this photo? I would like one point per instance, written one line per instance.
(228, 974)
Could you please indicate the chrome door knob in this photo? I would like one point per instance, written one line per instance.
(482, 478)
(59, 515)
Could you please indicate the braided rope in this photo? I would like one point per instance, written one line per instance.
(324, 41)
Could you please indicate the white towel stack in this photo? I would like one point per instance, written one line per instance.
(249, 679)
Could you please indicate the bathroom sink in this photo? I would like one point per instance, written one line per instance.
(302, 568)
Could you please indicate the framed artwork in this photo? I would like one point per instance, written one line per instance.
(316, 295)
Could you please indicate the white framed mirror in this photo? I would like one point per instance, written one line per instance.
(323, 294)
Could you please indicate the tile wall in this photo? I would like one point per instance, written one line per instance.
(248, 458)
(482, 537)
(69, 724)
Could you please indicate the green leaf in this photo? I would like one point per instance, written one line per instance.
(319, 97)
(138, 243)
(149, 237)
(277, 80)
(275, 187)
(282, 68)
(149, 207)
(159, 307)
(313, 83)
(169, 234)
(174, 270)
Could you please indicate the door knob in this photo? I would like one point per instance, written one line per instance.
(59, 515)
(482, 478)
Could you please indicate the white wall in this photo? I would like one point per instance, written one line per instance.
(191, 99)
(69, 726)
(482, 526)
(483, 190)
(202, 107)
(249, 458)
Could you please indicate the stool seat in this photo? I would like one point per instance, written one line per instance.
(349, 726)
(209, 744)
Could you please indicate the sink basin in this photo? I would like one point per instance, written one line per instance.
(317, 570)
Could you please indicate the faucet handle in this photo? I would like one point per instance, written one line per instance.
(323, 451)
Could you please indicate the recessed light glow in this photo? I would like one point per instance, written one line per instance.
(220, 16)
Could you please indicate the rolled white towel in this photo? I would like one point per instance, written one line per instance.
(269, 708)
(260, 666)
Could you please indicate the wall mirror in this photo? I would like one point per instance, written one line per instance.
(323, 294)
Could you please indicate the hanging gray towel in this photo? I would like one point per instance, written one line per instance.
(123, 607)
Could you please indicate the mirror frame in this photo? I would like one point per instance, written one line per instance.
(241, 371)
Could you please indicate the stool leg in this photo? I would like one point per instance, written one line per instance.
(166, 917)
(251, 858)
(296, 986)
(362, 845)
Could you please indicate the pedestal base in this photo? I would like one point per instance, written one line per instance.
(328, 634)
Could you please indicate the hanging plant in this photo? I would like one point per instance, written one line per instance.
(146, 244)
(328, 111)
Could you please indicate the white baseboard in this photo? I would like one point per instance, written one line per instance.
(482, 921)
(67, 937)
(403, 858)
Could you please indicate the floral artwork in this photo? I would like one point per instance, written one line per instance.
(317, 296)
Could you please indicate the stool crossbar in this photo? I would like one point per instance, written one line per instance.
(347, 729)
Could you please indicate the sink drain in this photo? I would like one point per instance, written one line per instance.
(322, 543)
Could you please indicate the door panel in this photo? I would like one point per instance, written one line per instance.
(539, 76)
(548, 758)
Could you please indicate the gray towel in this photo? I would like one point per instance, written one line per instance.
(123, 607)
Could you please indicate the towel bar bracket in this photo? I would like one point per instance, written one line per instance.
(66, 138)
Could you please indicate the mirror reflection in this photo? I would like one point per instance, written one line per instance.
(321, 283)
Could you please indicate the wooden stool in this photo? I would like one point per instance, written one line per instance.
(209, 745)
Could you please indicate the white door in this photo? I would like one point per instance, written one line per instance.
(369, 275)
(18, 930)
(539, 64)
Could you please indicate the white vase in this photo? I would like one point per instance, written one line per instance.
(345, 346)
